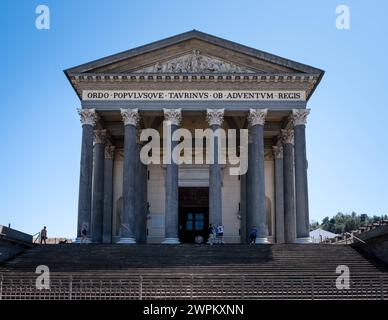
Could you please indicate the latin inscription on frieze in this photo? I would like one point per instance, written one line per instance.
(193, 95)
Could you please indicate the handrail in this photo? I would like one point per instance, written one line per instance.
(353, 236)
(146, 286)
(38, 233)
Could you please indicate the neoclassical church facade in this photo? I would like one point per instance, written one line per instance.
(193, 81)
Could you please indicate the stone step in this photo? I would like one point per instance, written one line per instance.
(193, 272)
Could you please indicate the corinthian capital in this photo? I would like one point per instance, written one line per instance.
(215, 116)
(288, 136)
(88, 116)
(257, 116)
(277, 151)
(299, 116)
(100, 136)
(109, 152)
(173, 116)
(130, 116)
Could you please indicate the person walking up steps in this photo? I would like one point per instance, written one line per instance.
(253, 235)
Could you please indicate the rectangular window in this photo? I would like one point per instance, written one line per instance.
(199, 221)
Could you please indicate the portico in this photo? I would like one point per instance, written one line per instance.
(193, 81)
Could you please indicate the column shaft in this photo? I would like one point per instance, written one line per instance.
(108, 195)
(257, 179)
(289, 192)
(98, 186)
(88, 120)
(279, 195)
(171, 209)
(258, 191)
(140, 201)
(173, 118)
(130, 117)
(243, 209)
(127, 230)
(215, 191)
(215, 118)
(301, 189)
(249, 209)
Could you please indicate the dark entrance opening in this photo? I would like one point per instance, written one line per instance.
(193, 213)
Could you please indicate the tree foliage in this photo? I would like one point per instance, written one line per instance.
(342, 222)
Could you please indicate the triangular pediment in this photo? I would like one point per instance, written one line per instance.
(194, 62)
(193, 52)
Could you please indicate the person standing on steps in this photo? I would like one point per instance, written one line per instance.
(253, 235)
(83, 233)
(210, 232)
(220, 234)
(43, 235)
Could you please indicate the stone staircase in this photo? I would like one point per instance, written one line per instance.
(281, 271)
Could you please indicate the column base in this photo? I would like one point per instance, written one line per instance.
(126, 241)
(262, 241)
(303, 240)
(171, 241)
(79, 241)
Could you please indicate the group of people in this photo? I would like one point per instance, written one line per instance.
(83, 238)
(216, 233)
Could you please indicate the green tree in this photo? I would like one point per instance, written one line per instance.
(342, 222)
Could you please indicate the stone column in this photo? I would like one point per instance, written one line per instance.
(89, 118)
(173, 118)
(98, 185)
(256, 182)
(130, 118)
(214, 118)
(299, 117)
(243, 209)
(108, 194)
(249, 210)
(289, 189)
(141, 196)
(279, 193)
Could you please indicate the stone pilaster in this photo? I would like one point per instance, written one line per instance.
(88, 119)
(289, 189)
(299, 117)
(256, 182)
(108, 194)
(279, 193)
(173, 118)
(130, 119)
(215, 118)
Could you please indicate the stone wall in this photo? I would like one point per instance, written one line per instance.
(12, 242)
(376, 243)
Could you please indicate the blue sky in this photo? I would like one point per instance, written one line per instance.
(346, 131)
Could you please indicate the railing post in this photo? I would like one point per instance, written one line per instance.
(242, 287)
(192, 286)
(1, 287)
(141, 288)
(312, 287)
(382, 287)
(71, 287)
